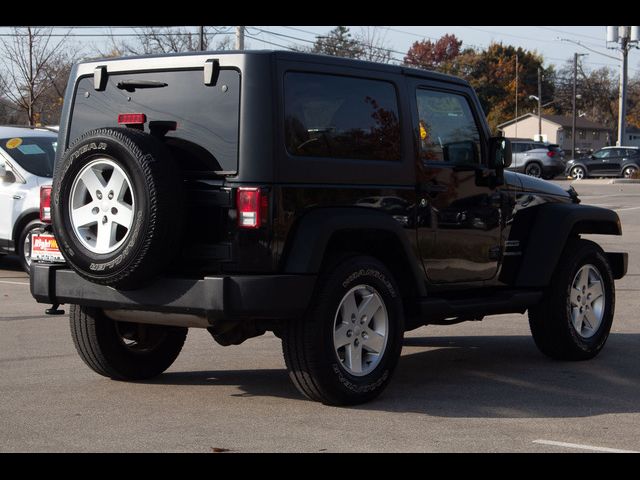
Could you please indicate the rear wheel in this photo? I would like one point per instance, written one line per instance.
(629, 172)
(123, 350)
(344, 351)
(23, 244)
(533, 169)
(574, 318)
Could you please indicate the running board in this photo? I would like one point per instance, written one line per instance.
(436, 310)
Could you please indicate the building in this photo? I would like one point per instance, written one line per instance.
(631, 136)
(557, 129)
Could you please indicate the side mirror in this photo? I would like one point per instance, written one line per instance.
(499, 153)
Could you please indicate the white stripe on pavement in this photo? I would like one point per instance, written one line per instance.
(14, 283)
(583, 447)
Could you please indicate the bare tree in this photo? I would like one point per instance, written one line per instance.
(31, 59)
(150, 40)
(373, 44)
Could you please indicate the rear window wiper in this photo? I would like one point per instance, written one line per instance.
(131, 85)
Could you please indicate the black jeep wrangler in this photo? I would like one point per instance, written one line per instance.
(336, 203)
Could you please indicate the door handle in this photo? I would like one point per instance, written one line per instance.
(17, 197)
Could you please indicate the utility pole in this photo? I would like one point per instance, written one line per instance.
(623, 39)
(516, 125)
(239, 38)
(539, 102)
(201, 39)
(575, 94)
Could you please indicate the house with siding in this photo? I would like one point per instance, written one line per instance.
(557, 129)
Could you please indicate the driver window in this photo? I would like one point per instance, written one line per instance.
(448, 131)
(602, 154)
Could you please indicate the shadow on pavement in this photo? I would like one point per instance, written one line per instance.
(479, 376)
(10, 262)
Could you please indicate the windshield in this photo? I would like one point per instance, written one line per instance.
(35, 154)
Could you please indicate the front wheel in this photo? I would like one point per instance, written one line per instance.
(574, 318)
(123, 350)
(578, 173)
(344, 351)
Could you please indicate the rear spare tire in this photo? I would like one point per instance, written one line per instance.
(116, 202)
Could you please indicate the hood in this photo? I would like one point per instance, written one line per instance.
(537, 185)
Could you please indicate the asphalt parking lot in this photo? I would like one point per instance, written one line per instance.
(472, 387)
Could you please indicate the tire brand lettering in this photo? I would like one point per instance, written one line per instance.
(359, 388)
(370, 273)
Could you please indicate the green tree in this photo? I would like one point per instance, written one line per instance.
(338, 42)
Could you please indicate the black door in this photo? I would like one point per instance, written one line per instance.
(460, 232)
(598, 163)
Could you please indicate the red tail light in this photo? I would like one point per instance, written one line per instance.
(551, 153)
(253, 207)
(132, 119)
(45, 204)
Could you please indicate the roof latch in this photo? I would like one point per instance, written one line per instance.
(100, 78)
(211, 72)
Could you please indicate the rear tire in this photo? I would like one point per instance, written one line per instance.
(23, 244)
(533, 169)
(331, 352)
(121, 350)
(573, 323)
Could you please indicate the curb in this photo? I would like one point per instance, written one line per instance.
(625, 180)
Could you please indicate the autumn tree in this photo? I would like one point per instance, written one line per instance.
(439, 55)
(33, 62)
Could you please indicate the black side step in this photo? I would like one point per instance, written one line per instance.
(511, 301)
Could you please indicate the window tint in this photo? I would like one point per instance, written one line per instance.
(35, 154)
(331, 116)
(602, 154)
(206, 118)
(517, 147)
(448, 131)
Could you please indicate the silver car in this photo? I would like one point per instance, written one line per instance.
(537, 159)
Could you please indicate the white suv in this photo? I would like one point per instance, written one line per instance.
(26, 163)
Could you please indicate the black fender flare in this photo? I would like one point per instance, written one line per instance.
(313, 231)
(552, 226)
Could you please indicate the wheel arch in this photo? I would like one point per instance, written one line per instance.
(322, 234)
(543, 251)
(22, 221)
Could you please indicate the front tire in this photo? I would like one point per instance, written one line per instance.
(345, 349)
(578, 173)
(123, 350)
(573, 320)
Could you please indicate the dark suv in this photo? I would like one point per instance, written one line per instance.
(606, 162)
(336, 203)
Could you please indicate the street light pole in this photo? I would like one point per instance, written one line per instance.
(539, 102)
(573, 120)
(622, 38)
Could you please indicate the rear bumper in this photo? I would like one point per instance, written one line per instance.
(554, 170)
(216, 298)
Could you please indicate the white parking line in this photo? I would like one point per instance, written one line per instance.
(624, 209)
(14, 283)
(583, 447)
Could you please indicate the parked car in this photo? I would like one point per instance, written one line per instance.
(606, 162)
(26, 163)
(537, 159)
(337, 203)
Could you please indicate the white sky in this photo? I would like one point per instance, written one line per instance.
(543, 39)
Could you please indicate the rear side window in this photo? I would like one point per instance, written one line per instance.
(341, 117)
(35, 154)
(206, 118)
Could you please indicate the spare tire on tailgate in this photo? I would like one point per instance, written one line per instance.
(116, 206)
